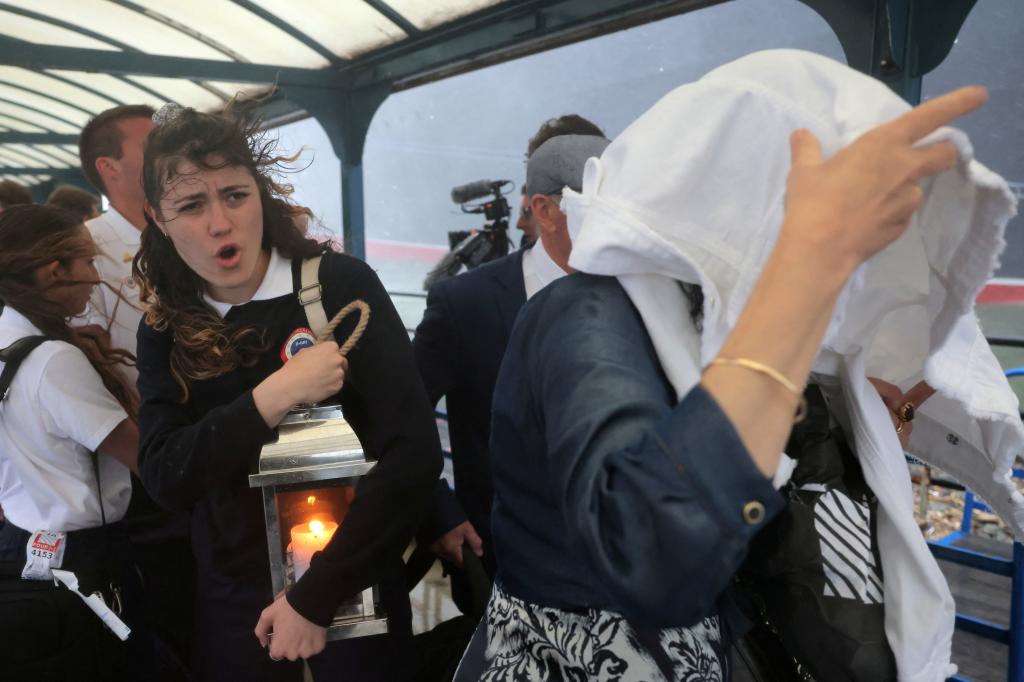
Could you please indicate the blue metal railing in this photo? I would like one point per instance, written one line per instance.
(407, 294)
(1012, 636)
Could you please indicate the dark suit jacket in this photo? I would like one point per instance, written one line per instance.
(458, 348)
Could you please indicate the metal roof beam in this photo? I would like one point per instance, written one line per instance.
(16, 52)
(506, 31)
(37, 110)
(394, 16)
(55, 172)
(282, 25)
(190, 31)
(81, 86)
(14, 137)
(24, 121)
(42, 93)
(38, 156)
(66, 25)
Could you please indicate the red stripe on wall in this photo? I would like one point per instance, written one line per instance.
(999, 293)
(427, 253)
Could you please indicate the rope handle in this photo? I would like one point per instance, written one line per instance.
(364, 319)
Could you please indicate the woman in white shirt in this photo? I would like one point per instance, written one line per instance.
(64, 404)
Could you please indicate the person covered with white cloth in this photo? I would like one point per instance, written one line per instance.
(656, 424)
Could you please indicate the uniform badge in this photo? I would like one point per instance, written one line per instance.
(297, 340)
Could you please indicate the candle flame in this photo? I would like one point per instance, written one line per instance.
(316, 526)
(311, 500)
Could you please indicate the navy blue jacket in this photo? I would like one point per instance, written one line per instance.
(195, 456)
(609, 494)
(458, 349)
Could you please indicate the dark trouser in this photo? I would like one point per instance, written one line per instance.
(47, 628)
(168, 577)
(226, 647)
(163, 556)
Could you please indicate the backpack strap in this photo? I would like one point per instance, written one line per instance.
(310, 295)
(12, 357)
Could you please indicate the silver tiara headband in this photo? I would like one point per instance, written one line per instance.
(167, 113)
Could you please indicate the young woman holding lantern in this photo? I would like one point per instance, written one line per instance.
(220, 367)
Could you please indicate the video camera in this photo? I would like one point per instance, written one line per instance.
(471, 248)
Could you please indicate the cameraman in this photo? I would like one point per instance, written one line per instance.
(473, 248)
(460, 342)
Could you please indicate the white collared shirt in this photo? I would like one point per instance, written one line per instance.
(277, 281)
(118, 241)
(56, 412)
(538, 269)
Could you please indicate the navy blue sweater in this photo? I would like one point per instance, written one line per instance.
(196, 456)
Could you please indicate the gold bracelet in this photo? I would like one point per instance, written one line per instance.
(772, 373)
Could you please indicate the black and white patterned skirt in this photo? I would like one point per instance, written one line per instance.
(530, 642)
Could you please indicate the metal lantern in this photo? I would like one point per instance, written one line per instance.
(308, 476)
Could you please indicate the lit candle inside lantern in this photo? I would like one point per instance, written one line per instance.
(308, 538)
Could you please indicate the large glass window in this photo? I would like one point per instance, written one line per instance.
(990, 51)
(426, 140)
(317, 172)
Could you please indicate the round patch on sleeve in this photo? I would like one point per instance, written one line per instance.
(297, 340)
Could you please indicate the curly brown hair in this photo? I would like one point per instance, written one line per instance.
(34, 236)
(205, 345)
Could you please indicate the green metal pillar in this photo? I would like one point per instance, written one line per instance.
(353, 208)
(896, 41)
(345, 117)
(72, 176)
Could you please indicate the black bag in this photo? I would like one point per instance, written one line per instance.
(440, 649)
(813, 577)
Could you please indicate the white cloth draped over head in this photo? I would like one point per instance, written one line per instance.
(693, 192)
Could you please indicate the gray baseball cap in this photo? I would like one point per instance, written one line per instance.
(560, 161)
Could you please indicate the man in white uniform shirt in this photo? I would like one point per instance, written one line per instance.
(110, 150)
(460, 343)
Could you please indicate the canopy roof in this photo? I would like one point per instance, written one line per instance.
(62, 62)
(52, 104)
